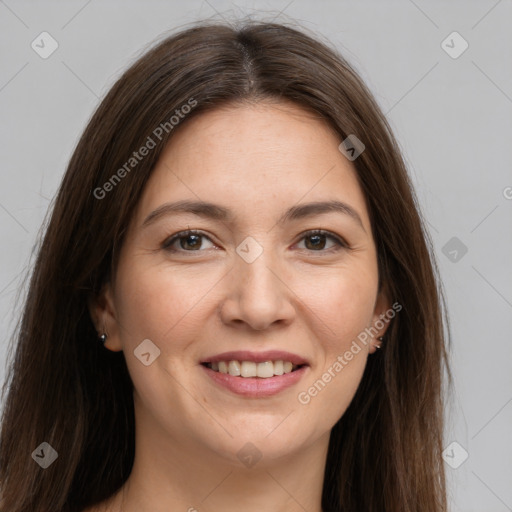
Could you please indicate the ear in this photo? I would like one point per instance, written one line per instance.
(380, 321)
(103, 315)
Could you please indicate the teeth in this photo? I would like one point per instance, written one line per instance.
(248, 369)
(251, 369)
(265, 370)
(278, 368)
(234, 368)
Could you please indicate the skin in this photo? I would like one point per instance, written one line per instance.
(257, 160)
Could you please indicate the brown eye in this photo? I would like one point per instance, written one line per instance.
(186, 241)
(317, 240)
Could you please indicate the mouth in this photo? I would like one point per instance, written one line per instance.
(255, 374)
(252, 369)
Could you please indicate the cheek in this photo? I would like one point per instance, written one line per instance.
(344, 301)
(330, 392)
(163, 305)
(345, 306)
(158, 302)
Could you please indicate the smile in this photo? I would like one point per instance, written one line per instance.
(251, 369)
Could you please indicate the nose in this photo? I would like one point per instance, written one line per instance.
(258, 295)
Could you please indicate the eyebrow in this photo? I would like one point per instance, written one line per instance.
(217, 212)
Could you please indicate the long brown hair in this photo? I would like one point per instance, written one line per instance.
(65, 389)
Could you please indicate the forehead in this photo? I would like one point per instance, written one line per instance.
(255, 158)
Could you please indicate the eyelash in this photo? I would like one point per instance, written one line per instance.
(166, 245)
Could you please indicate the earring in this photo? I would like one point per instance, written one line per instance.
(103, 338)
(381, 339)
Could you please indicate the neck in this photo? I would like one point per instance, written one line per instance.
(171, 475)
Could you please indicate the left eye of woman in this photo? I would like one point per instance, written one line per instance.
(318, 240)
(191, 241)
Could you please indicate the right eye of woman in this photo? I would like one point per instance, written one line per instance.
(189, 241)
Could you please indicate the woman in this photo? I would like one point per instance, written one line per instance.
(235, 303)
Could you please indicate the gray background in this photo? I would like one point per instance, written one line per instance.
(452, 117)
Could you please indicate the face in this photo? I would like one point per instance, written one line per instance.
(263, 276)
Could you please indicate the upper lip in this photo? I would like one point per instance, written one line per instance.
(257, 357)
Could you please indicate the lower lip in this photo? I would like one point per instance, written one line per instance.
(256, 387)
